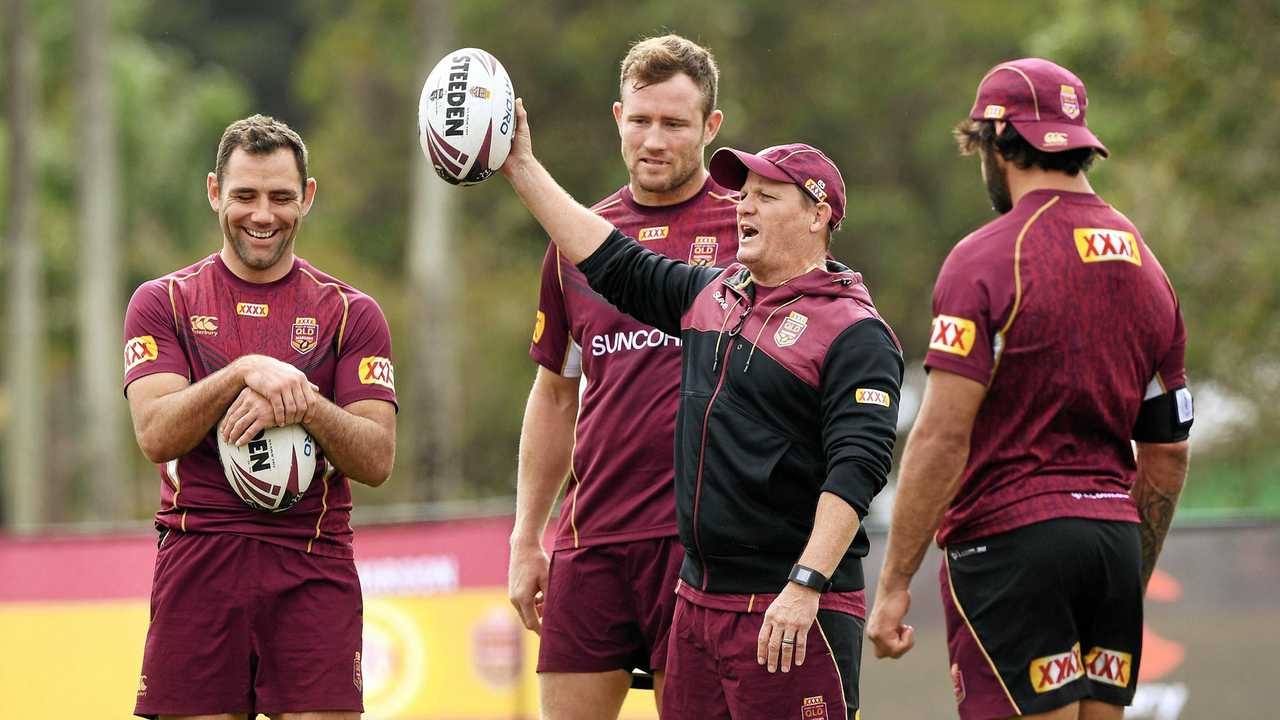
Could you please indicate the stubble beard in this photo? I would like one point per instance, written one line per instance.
(244, 252)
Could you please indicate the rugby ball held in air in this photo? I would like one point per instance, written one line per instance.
(273, 470)
(467, 116)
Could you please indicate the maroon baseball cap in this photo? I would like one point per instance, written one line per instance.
(1044, 101)
(806, 166)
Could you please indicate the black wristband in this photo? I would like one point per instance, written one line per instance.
(808, 577)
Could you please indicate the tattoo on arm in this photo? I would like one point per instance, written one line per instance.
(1155, 507)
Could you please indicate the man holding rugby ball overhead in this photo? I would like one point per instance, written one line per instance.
(784, 432)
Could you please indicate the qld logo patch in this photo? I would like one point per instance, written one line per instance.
(653, 233)
(539, 325)
(792, 328)
(306, 332)
(1054, 671)
(813, 708)
(138, 350)
(1103, 245)
(376, 370)
(952, 335)
(1070, 105)
(1108, 666)
(251, 309)
(703, 251)
(867, 396)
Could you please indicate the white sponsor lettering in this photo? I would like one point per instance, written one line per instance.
(1100, 496)
(634, 340)
(416, 574)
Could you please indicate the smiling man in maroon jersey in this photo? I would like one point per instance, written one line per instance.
(1057, 341)
(603, 604)
(254, 611)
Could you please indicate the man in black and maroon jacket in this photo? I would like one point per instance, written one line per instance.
(788, 407)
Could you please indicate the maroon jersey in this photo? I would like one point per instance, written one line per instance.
(196, 321)
(623, 457)
(1063, 311)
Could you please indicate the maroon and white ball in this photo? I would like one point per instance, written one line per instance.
(467, 116)
(273, 470)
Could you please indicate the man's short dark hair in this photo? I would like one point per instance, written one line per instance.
(260, 135)
(974, 135)
(658, 59)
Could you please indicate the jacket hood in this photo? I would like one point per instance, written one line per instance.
(834, 280)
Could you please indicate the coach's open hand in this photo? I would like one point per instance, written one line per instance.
(786, 627)
(885, 628)
(527, 582)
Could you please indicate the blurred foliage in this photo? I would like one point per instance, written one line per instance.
(1184, 93)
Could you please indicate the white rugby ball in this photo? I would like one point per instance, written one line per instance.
(467, 116)
(273, 470)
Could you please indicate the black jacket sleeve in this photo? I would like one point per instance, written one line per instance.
(861, 386)
(649, 287)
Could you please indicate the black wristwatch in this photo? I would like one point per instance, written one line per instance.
(808, 577)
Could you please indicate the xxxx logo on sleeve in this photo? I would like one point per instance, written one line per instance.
(376, 370)
(539, 325)
(867, 396)
(1103, 245)
(1054, 671)
(138, 350)
(952, 335)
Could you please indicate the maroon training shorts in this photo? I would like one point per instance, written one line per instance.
(712, 673)
(609, 607)
(242, 626)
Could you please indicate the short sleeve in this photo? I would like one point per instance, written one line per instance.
(963, 336)
(365, 370)
(552, 346)
(1172, 367)
(151, 343)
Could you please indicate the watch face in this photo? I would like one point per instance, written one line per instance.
(804, 575)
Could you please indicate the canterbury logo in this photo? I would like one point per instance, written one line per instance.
(251, 309)
(204, 324)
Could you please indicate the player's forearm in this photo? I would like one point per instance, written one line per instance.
(1162, 472)
(361, 448)
(932, 467)
(577, 231)
(834, 526)
(171, 425)
(546, 453)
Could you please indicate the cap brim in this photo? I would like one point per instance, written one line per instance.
(729, 168)
(1056, 137)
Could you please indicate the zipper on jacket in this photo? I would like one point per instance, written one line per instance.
(702, 451)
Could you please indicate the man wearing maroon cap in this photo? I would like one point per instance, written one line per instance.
(1057, 344)
(785, 430)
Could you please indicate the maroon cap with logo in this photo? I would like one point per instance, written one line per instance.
(1045, 102)
(806, 166)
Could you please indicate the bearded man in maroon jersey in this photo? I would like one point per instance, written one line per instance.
(251, 611)
(603, 603)
(1057, 344)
